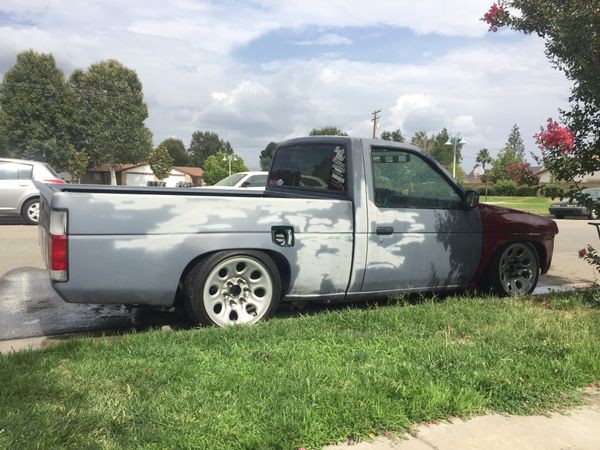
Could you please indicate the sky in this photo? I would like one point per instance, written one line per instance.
(257, 71)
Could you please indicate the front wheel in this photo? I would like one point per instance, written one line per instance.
(232, 287)
(514, 270)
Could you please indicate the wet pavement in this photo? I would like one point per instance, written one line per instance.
(29, 307)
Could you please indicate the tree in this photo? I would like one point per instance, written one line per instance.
(571, 30)
(266, 156)
(505, 158)
(77, 162)
(205, 144)
(111, 116)
(37, 108)
(216, 167)
(483, 158)
(516, 141)
(395, 136)
(327, 131)
(160, 162)
(177, 150)
(421, 140)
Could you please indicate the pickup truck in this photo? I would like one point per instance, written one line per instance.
(385, 218)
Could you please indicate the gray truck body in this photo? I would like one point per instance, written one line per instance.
(135, 245)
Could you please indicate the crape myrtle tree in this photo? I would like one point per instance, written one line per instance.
(571, 31)
(111, 115)
(160, 162)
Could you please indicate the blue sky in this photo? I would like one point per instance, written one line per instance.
(266, 70)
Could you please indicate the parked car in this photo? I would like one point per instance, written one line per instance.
(253, 181)
(384, 218)
(568, 207)
(18, 195)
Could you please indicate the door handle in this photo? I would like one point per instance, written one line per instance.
(384, 230)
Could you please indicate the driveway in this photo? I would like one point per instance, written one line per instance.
(29, 307)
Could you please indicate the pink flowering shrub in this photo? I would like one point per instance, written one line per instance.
(522, 174)
(590, 254)
(555, 138)
(495, 17)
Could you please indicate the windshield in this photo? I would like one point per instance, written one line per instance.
(231, 180)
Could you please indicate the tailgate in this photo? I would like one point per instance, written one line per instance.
(46, 193)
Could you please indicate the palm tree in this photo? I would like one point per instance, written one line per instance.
(484, 158)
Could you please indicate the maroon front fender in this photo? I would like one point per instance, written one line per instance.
(501, 226)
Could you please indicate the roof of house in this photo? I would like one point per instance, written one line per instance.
(193, 171)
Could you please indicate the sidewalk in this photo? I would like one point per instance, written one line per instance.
(575, 429)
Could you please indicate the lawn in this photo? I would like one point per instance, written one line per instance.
(537, 205)
(304, 381)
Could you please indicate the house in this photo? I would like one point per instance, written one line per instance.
(141, 174)
(475, 176)
(546, 177)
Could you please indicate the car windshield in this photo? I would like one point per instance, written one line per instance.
(231, 180)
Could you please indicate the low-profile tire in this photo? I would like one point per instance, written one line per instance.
(559, 216)
(232, 287)
(31, 211)
(514, 270)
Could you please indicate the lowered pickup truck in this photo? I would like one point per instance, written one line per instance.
(384, 218)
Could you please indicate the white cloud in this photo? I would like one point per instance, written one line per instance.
(183, 53)
(331, 39)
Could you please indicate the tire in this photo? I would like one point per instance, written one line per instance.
(31, 211)
(592, 215)
(514, 270)
(559, 216)
(232, 287)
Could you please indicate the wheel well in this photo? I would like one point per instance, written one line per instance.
(280, 261)
(541, 251)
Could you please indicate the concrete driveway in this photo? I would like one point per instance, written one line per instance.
(29, 307)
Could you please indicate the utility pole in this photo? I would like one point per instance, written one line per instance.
(374, 116)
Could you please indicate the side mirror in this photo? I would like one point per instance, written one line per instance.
(471, 199)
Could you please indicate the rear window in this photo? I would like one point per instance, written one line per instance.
(318, 167)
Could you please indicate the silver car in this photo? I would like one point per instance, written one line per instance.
(18, 195)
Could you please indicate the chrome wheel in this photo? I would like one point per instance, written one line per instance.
(518, 269)
(33, 212)
(238, 290)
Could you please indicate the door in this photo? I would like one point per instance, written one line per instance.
(15, 186)
(419, 234)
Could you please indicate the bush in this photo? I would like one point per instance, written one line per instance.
(490, 190)
(505, 187)
(553, 190)
(526, 191)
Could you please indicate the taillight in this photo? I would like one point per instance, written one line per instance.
(58, 251)
(53, 181)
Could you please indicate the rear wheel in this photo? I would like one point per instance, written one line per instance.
(31, 211)
(232, 287)
(592, 215)
(514, 270)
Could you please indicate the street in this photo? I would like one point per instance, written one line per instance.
(29, 307)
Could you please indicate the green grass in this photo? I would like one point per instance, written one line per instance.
(304, 381)
(536, 205)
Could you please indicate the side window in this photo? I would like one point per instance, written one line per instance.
(317, 167)
(405, 180)
(13, 171)
(255, 181)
